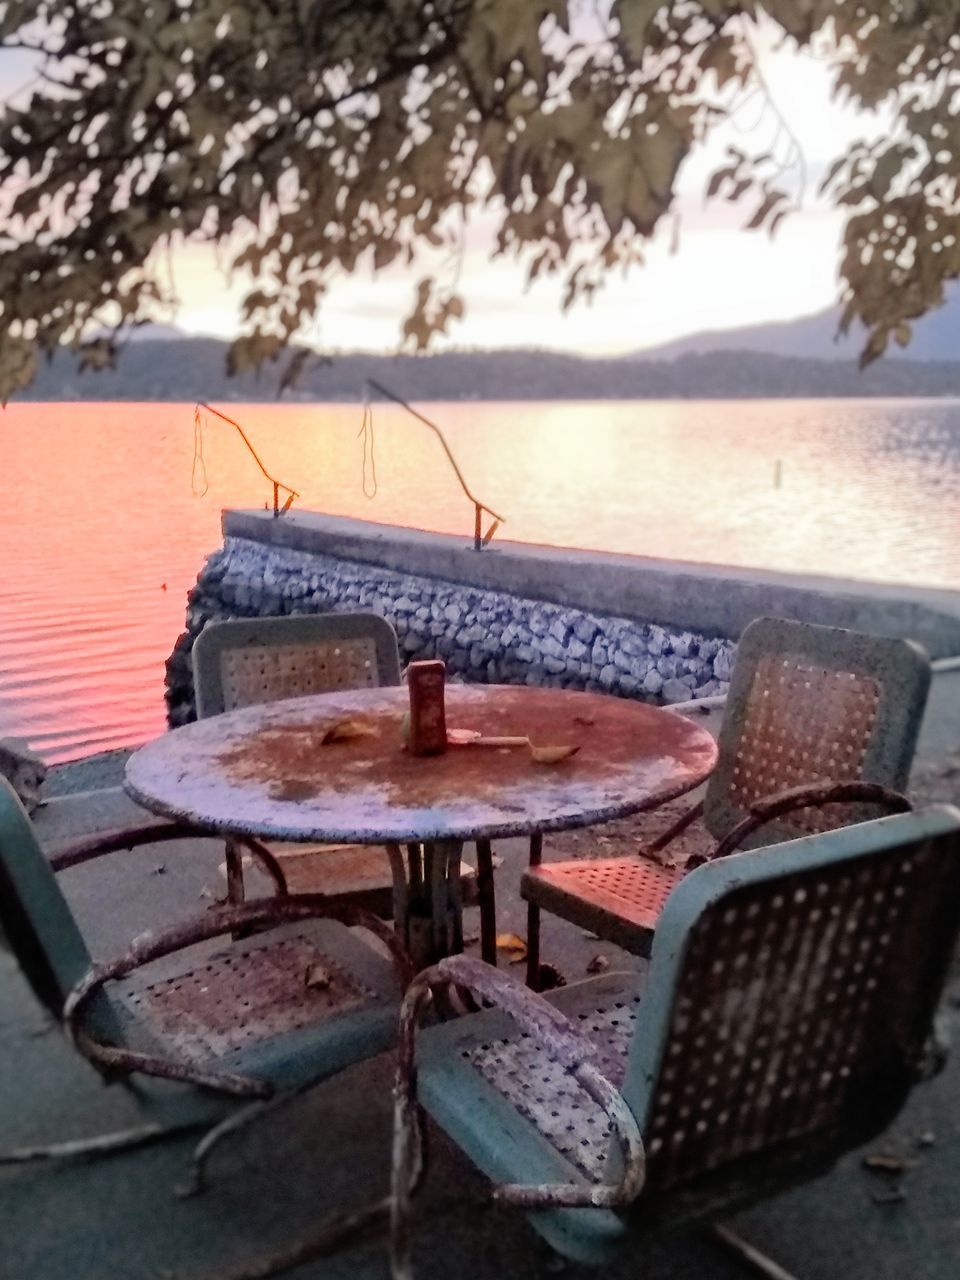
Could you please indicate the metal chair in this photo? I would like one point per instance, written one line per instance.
(808, 706)
(241, 662)
(787, 1012)
(248, 1024)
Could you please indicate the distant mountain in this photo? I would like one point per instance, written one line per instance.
(156, 333)
(195, 369)
(935, 337)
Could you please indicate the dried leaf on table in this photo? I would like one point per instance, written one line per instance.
(553, 755)
(347, 730)
(317, 975)
(462, 737)
(513, 946)
(599, 964)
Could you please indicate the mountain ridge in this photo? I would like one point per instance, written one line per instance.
(195, 369)
(936, 336)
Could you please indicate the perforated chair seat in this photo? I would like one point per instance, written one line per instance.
(618, 898)
(495, 1060)
(251, 1002)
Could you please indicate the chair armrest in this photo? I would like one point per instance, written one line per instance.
(220, 920)
(563, 1041)
(73, 855)
(701, 706)
(813, 795)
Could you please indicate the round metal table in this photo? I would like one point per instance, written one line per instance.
(266, 771)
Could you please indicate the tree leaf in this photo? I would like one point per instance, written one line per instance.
(18, 366)
(635, 17)
(318, 140)
(766, 207)
(294, 368)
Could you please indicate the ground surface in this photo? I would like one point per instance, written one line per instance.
(118, 1219)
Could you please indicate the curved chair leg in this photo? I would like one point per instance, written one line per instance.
(104, 1144)
(235, 1122)
(750, 1256)
(196, 1182)
(486, 892)
(533, 920)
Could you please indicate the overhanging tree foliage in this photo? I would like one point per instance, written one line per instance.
(315, 137)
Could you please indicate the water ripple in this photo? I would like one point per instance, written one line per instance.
(103, 536)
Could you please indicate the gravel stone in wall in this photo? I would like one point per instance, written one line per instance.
(483, 636)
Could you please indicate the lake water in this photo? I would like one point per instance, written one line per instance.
(107, 512)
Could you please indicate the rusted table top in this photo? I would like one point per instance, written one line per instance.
(265, 771)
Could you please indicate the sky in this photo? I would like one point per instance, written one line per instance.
(720, 276)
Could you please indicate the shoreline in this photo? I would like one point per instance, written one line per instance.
(342, 398)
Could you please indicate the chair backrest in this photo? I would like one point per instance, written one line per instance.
(243, 661)
(792, 991)
(814, 704)
(34, 914)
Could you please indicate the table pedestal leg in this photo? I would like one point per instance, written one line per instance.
(533, 920)
(488, 902)
(234, 868)
(428, 911)
(235, 887)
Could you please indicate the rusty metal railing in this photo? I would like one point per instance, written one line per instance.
(480, 539)
(277, 485)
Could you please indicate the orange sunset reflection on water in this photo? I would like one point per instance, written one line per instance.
(108, 513)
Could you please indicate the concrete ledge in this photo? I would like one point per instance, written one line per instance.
(482, 635)
(65, 819)
(710, 599)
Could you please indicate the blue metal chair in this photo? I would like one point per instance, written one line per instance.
(808, 706)
(247, 1024)
(238, 662)
(787, 1013)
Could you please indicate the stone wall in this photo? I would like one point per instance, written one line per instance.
(482, 635)
(707, 599)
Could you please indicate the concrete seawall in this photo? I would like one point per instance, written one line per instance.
(514, 612)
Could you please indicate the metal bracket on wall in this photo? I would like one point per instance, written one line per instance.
(480, 539)
(277, 485)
